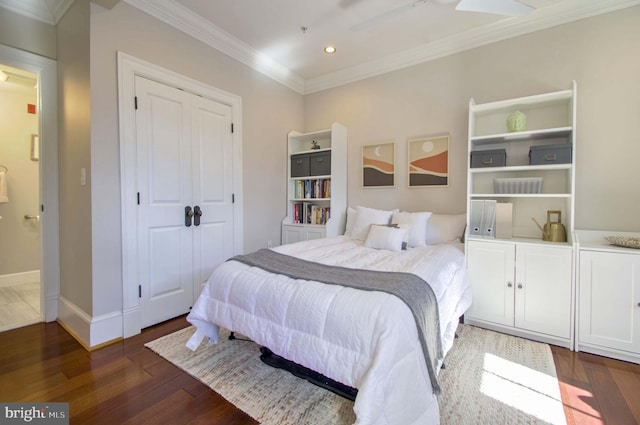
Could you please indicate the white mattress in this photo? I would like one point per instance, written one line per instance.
(364, 339)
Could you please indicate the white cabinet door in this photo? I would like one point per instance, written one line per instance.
(292, 234)
(543, 289)
(314, 233)
(491, 270)
(609, 300)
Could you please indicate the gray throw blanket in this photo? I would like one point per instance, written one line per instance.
(411, 289)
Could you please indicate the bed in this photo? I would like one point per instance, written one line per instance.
(366, 339)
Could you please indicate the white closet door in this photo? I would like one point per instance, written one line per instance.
(164, 180)
(212, 187)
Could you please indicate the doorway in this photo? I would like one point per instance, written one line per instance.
(36, 164)
(19, 199)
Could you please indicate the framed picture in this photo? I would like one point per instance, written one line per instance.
(35, 147)
(428, 161)
(378, 165)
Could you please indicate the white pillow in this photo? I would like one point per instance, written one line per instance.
(442, 228)
(417, 223)
(365, 217)
(385, 237)
(351, 220)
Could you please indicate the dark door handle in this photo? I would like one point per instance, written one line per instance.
(197, 212)
(188, 213)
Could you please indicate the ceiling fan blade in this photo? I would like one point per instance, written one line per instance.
(498, 7)
(368, 23)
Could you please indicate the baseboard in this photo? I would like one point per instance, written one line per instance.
(91, 332)
(19, 278)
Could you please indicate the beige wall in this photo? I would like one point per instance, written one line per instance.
(19, 238)
(600, 53)
(74, 153)
(27, 34)
(269, 109)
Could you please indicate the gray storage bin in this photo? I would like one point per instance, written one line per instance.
(489, 158)
(550, 154)
(300, 165)
(320, 164)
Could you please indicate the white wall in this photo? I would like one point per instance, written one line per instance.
(19, 238)
(270, 110)
(74, 152)
(600, 53)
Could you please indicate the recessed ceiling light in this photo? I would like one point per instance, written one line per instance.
(329, 49)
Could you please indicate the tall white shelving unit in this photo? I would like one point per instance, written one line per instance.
(328, 164)
(523, 285)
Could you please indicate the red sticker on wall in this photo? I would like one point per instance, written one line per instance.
(31, 108)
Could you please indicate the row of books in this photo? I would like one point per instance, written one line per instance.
(312, 188)
(309, 213)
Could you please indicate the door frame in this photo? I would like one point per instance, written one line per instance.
(47, 97)
(128, 67)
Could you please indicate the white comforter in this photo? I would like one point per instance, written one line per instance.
(364, 339)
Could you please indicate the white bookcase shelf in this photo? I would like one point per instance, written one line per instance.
(521, 284)
(331, 198)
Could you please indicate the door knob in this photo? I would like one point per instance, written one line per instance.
(188, 213)
(197, 212)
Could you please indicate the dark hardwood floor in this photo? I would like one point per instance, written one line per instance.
(125, 383)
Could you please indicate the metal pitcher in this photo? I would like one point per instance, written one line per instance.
(553, 231)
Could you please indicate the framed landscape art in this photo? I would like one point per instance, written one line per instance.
(428, 161)
(378, 165)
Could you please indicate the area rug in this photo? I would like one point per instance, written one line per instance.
(490, 378)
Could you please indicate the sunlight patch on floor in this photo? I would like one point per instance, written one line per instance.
(534, 393)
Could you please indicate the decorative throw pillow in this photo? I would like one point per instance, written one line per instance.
(417, 223)
(365, 217)
(442, 228)
(351, 220)
(385, 237)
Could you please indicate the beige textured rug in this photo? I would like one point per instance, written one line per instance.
(490, 378)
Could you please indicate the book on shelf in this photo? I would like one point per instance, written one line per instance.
(312, 189)
(309, 213)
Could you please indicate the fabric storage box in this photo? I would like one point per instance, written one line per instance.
(320, 163)
(550, 154)
(489, 158)
(300, 165)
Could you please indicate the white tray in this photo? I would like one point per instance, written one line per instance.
(625, 241)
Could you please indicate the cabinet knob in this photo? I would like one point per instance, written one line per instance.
(638, 304)
(509, 285)
(519, 285)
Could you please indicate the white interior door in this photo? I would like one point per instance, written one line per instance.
(184, 161)
(212, 187)
(164, 182)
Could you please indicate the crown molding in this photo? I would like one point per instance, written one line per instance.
(59, 9)
(498, 31)
(48, 11)
(194, 25)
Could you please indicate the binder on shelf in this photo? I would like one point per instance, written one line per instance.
(504, 214)
(475, 217)
(489, 218)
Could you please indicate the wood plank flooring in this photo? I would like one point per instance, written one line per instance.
(125, 383)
